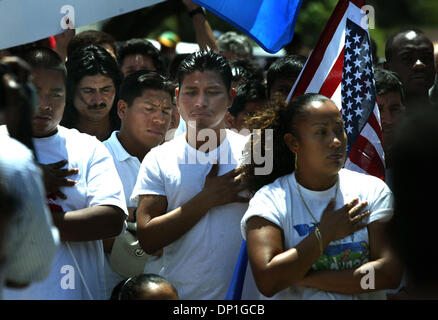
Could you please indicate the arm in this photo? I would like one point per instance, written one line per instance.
(275, 268)
(383, 267)
(203, 32)
(88, 224)
(158, 228)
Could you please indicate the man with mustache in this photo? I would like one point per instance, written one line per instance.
(93, 79)
(145, 109)
(409, 53)
(93, 209)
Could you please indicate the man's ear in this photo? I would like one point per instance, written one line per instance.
(291, 142)
(122, 107)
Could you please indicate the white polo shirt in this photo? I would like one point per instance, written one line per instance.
(128, 167)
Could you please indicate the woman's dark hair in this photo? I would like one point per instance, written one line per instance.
(134, 84)
(131, 288)
(90, 61)
(273, 124)
(205, 61)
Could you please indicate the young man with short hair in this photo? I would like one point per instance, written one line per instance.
(187, 204)
(94, 209)
(145, 109)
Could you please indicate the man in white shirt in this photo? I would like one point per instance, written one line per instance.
(94, 209)
(29, 238)
(145, 109)
(187, 205)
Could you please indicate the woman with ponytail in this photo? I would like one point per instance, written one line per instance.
(313, 229)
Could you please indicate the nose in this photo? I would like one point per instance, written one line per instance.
(159, 117)
(201, 100)
(419, 64)
(97, 97)
(337, 139)
(43, 102)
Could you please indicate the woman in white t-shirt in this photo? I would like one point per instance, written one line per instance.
(313, 229)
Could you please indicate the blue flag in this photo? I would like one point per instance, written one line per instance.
(236, 286)
(270, 23)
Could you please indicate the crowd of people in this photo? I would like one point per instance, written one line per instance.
(127, 173)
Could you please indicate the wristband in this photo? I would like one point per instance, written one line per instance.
(196, 11)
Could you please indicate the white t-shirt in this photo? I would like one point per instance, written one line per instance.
(281, 204)
(200, 263)
(98, 184)
(31, 238)
(127, 166)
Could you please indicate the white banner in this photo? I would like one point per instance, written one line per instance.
(23, 21)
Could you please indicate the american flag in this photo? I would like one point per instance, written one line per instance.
(340, 67)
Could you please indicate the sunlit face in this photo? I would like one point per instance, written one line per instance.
(413, 61)
(136, 62)
(94, 97)
(203, 100)
(391, 111)
(320, 142)
(50, 86)
(147, 119)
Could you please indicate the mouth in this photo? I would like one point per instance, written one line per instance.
(336, 156)
(156, 132)
(42, 118)
(97, 107)
(200, 114)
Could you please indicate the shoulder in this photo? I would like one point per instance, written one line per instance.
(361, 180)
(14, 151)
(275, 191)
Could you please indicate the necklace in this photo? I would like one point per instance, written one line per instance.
(304, 202)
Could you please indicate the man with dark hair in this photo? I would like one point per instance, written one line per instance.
(188, 190)
(391, 103)
(92, 37)
(250, 98)
(93, 80)
(282, 75)
(409, 53)
(145, 108)
(94, 208)
(28, 238)
(139, 54)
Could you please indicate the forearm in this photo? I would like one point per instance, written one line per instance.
(162, 230)
(372, 276)
(204, 34)
(94, 223)
(288, 267)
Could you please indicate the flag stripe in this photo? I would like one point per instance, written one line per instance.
(321, 47)
(334, 78)
(365, 156)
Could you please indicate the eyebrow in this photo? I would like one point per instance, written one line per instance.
(105, 87)
(326, 123)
